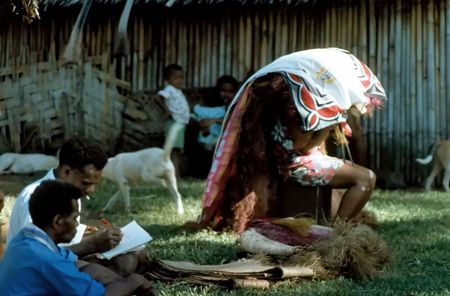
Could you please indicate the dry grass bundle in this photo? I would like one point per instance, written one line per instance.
(354, 250)
(301, 226)
(311, 259)
(302, 258)
(29, 9)
(366, 217)
(339, 136)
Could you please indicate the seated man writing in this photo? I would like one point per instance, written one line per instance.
(34, 264)
(80, 164)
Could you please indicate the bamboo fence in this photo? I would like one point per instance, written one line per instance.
(406, 42)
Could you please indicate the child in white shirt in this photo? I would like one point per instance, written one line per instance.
(175, 100)
(177, 104)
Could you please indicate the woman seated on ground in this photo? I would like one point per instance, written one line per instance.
(285, 109)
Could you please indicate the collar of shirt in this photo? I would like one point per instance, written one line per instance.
(50, 175)
(34, 232)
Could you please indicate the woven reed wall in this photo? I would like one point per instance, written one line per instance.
(406, 43)
(44, 104)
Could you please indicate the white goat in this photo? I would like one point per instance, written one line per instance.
(16, 163)
(146, 165)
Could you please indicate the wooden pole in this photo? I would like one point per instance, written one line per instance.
(72, 53)
(122, 46)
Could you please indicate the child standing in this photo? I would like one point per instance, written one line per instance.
(178, 107)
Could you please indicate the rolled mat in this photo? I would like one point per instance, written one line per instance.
(245, 273)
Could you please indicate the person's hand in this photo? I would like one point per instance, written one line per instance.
(90, 229)
(106, 239)
(206, 122)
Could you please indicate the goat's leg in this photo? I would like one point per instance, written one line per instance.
(171, 182)
(436, 169)
(124, 189)
(446, 178)
(111, 202)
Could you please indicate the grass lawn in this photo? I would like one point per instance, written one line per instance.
(416, 226)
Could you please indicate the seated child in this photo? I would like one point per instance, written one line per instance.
(210, 130)
(210, 114)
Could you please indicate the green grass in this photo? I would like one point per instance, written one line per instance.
(415, 225)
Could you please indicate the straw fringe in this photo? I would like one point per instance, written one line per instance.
(354, 250)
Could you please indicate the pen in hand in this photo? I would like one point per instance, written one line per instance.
(111, 235)
(106, 222)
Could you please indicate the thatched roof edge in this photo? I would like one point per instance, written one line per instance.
(175, 3)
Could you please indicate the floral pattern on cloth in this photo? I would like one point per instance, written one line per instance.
(314, 169)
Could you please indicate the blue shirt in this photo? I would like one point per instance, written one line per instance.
(34, 265)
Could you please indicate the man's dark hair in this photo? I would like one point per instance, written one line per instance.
(227, 79)
(169, 69)
(78, 153)
(51, 198)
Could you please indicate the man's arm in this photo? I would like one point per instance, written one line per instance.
(209, 121)
(101, 241)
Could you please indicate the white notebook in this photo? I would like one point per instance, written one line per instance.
(134, 236)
